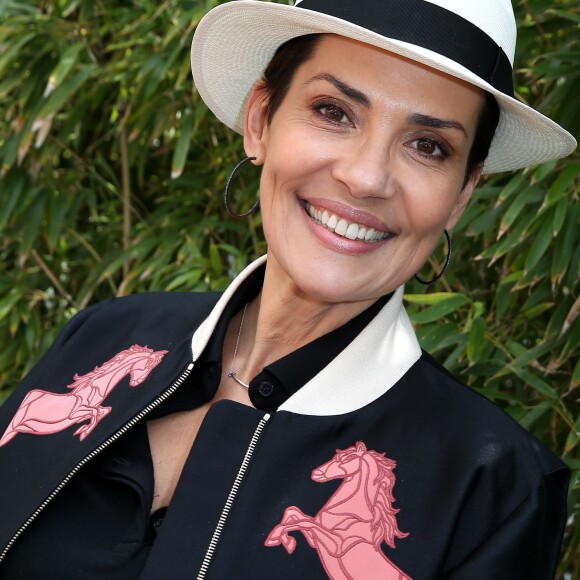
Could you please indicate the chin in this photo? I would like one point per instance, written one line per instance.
(338, 286)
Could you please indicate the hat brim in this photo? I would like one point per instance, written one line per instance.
(235, 41)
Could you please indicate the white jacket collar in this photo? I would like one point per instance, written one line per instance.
(366, 369)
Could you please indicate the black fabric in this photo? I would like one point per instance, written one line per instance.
(107, 505)
(431, 27)
(471, 488)
(99, 527)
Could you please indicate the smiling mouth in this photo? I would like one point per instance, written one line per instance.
(344, 228)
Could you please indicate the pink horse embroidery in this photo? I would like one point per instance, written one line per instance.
(348, 531)
(44, 413)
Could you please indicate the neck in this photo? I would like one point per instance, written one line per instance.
(282, 319)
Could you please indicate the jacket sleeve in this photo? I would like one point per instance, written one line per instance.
(43, 367)
(526, 544)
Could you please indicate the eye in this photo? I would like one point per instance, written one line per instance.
(333, 113)
(428, 147)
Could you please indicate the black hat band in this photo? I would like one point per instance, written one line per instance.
(430, 26)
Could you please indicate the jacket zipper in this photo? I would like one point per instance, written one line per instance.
(178, 382)
(231, 497)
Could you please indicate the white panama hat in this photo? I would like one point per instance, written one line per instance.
(473, 40)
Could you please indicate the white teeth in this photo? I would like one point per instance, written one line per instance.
(352, 232)
(341, 227)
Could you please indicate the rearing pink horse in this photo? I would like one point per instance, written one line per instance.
(350, 528)
(42, 412)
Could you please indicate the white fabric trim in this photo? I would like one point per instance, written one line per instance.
(206, 328)
(365, 370)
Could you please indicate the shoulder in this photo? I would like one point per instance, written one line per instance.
(150, 309)
(476, 424)
(157, 320)
(164, 302)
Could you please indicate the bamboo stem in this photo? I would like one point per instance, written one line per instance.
(52, 277)
(126, 183)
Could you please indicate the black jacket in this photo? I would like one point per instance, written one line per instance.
(382, 466)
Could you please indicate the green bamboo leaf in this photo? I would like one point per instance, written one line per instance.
(215, 260)
(572, 335)
(476, 340)
(560, 187)
(486, 221)
(537, 310)
(56, 214)
(440, 309)
(185, 280)
(33, 218)
(572, 440)
(63, 93)
(458, 353)
(201, 112)
(534, 414)
(543, 171)
(513, 186)
(69, 7)
(539, 246)
(433, 298)
(559, 216)
(67, 61)
(509, 242)
(182, 147)
(7, 303)
(565, 14)
(12, 50)
(536, 383)
(512, 214)
(565, 244)
(11, 197)
(9, 83)
(434, 337)
(512, 278)
(556, 323)
(503, 300)
(525, 356)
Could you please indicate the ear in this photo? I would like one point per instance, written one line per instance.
(464, 197)
(256, 124)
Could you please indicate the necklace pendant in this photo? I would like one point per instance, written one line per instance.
(232, 375)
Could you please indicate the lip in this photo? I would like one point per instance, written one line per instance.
(339, 243)
(350, 213)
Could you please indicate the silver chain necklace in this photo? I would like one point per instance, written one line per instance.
(232, 373)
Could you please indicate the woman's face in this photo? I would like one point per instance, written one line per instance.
(363, 167)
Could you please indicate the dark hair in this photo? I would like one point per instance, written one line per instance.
(296, 51)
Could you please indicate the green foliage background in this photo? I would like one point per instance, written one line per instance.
(112, 170)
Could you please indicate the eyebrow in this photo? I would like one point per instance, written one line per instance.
(434, 122)
(344, 88)
(413, 119)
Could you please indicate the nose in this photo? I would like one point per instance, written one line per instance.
(365, 170)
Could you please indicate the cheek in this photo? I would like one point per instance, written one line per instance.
(289, 167)
(430, 202)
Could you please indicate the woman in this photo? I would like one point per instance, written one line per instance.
(292, 427)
